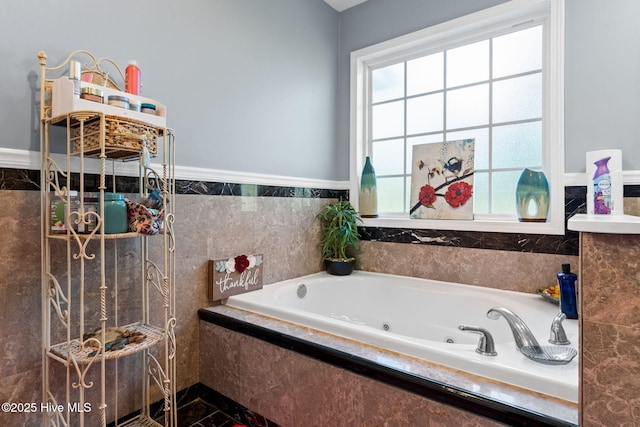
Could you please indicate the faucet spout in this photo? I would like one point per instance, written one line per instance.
(521, 332)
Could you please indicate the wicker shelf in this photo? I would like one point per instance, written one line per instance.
(83, 288)
(63, 350)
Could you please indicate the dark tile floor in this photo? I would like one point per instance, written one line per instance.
(200, 406)
(199, 413)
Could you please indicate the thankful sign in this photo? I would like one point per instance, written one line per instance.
(235, 275)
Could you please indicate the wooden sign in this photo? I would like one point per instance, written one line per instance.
(235, 275)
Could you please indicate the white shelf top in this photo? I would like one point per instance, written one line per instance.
(614, 224)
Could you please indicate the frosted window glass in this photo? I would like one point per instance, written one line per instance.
(468, 64)
(517, 145)
(388, 157)
(387, 83)
(503, 198)
(390, 194)
(517, 52)
(424, 114)
(481, 146)
(481, 192)
(388, 120)
(417, 140)
(425, 74)
(468, 107)
(519, 98)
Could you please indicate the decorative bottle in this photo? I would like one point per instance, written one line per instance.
(368, 191)
(602, 188)
(532, 196)
(568, 295)
(132, 78)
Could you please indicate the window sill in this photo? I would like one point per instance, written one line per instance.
(501, 225)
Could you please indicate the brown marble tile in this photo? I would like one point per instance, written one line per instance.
(611, 268)
(294, 390)
(516, 271)
(611, 368)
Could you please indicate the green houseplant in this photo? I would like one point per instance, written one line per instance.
(340, 238)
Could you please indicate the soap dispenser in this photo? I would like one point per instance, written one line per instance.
(568, 295)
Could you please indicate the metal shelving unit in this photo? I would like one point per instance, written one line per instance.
(108, 340)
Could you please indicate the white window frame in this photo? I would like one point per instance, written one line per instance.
(467, 29)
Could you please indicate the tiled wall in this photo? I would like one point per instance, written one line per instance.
(279, 224)
(219, 220)
(610, 328)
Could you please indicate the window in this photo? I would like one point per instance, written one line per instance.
(495, 76)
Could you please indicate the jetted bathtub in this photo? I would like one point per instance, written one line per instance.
(420, 318)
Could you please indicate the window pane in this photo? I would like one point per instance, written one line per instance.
(387, 83)
(388, 120)
(417, 140)
(517, 99)
(481, 148)
(517, 145)
(425, 74)
(391, 194)
(424, 114)
(517, 52)
(388, 157)
(503, 199)
(468, 64)
(481, 192)
(468, 107)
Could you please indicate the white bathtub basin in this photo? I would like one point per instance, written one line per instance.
(420, 318)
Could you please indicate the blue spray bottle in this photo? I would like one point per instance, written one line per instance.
(568, 295)
(602, 188)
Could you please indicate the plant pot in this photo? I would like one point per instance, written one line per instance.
(340, 267)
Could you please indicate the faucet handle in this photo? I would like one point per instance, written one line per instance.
(486, 346)
(557, 334)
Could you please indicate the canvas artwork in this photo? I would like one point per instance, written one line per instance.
(442, 180)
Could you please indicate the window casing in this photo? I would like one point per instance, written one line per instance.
(402, 54)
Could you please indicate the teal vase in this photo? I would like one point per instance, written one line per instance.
(368, 203)
(532, 196)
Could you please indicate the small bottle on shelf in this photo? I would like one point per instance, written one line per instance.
(75, 75)
(132, 78)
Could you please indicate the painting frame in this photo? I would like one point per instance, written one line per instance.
(442, 180)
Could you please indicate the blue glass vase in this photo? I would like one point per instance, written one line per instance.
(532, 196)
(368, 204)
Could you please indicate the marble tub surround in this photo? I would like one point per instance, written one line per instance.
(508, 270)
(363, 380)
(610, 327)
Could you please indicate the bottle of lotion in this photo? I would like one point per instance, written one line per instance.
(568, 295)
(132, 78)
(602, 188)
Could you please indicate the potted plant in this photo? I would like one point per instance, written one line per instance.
(340, 238)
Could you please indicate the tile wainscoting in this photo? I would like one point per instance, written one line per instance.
(222, 219)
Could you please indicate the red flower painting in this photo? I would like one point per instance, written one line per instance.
(442, 180)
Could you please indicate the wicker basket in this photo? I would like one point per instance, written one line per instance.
(124, 138)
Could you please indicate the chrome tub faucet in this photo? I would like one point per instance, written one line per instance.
(521, 332)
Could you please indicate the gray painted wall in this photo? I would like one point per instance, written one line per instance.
(250, 85)
(263, 85)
